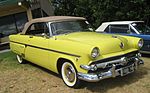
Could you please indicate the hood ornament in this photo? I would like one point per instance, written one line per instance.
(121, 45)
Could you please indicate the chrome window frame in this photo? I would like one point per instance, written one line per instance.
(134, 29)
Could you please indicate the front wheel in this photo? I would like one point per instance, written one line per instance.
(69, 75)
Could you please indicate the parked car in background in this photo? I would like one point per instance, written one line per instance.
(129, 28)
(67, 45)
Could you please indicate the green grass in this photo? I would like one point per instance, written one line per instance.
(8, 61)
(7, 56)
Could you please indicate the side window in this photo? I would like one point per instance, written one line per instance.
(38, 29)
(107, 30)
(119, 28)
(132, 31)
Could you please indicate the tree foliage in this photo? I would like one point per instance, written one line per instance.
(98, 11)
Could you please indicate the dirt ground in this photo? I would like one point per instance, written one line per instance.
(29, 78)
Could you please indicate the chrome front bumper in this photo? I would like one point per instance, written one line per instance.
(113, 71)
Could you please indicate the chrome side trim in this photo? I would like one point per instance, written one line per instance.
(47, 49)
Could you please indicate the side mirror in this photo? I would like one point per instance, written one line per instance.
(91, 29)
(30, 36)
(45, 35)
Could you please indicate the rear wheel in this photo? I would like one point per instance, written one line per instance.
(69, 75)
(20, 59)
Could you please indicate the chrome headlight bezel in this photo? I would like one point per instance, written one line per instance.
(140, 43)
(95, 52)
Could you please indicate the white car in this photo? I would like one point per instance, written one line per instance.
(130, 28)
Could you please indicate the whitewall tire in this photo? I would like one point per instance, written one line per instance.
(20, 59)
(69, 75)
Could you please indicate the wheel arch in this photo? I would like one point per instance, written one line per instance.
(60, 62)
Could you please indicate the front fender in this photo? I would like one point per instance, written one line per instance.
(76, 61)
(132, 41)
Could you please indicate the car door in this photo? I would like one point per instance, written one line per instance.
(36, 48)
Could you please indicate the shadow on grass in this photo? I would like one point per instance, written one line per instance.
(104, 85)
(44, 69)
(146, 55)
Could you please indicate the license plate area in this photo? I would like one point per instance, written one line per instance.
(127, 70)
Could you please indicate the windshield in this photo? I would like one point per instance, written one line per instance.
(65, 27)
(141, 27)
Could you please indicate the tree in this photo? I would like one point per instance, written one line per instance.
(98, 11)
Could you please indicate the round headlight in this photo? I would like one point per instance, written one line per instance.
(140, 43)
(95, 52)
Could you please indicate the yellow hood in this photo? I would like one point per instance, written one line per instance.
(105, 42)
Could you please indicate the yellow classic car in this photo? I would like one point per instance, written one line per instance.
(68, 46)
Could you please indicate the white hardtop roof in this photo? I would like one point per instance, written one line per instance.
(121, 22)
(103, 26)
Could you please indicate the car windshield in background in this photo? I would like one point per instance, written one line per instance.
(141, 27)
(65, 27)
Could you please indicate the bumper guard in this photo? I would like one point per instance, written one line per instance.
(112, 72)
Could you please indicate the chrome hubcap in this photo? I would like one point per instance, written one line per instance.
(70, 74)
